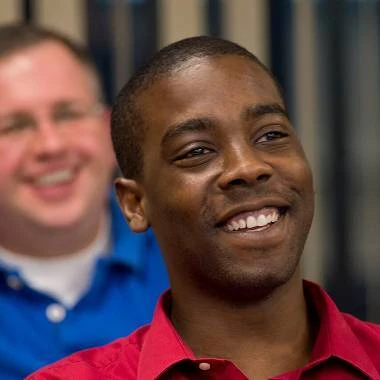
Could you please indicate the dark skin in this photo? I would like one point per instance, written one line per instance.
(219, 148)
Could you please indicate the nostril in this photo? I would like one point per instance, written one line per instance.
(242, 181)
(262, 177)
(237, 181)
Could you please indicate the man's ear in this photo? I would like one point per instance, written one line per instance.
(132, 203)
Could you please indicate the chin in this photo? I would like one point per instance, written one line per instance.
(247, 284)
(58, 223)
(59, 219)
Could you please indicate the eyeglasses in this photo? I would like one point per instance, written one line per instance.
(65, 115)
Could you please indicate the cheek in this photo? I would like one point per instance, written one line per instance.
(169, 203)
(12, 158)
(301, 180)
(306, 178)
(95, 146)
(298, 173)
(12, 162)
(173, 200)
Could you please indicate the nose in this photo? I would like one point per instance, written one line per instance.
(244, 166)
(48, 141)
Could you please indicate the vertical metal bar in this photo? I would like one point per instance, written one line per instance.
(281, 46)
(214, 16)
(121, 42)
(99, 42)
(28, 11)
(145, 30)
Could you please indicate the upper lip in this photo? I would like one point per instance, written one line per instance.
(251, 206)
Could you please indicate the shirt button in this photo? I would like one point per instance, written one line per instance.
(204, 366)
(55, 313)
(14, 282)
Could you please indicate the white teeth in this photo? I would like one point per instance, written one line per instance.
(242, 223)
(230, 227)
(55, 178)
(261, 220)
(252, 222)
(235, 225)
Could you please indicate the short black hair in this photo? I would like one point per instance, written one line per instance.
(127, 127)
(15, 37)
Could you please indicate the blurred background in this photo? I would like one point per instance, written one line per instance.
(326, 54)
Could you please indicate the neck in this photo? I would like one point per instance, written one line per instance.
(263, 339)
(51, 242)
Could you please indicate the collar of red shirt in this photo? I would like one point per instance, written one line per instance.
(335, 339)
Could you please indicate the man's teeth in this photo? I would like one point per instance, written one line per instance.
(252, 222)
(55, 178)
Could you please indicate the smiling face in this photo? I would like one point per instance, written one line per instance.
(56, 155)
(226, 185)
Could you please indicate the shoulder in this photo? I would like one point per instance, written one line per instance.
(118, 358)
(362, 328)
(368, 336)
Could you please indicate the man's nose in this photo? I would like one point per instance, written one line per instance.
(48, 140)
(243, 165)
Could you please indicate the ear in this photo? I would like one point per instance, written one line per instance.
(132, 203)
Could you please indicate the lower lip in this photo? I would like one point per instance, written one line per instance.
(263, 237)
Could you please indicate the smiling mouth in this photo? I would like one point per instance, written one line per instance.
(255, 221)
(56, 178)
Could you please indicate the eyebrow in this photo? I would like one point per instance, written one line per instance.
(191, 125)
(258, 110)
(68, 103)
(204, 123)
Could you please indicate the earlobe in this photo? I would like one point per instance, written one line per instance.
(131, 201)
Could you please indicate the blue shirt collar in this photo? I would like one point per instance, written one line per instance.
(127, 247)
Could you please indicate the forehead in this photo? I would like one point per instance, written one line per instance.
(43, 73)
(219, 88)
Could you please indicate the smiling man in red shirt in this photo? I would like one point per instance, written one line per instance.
(211, 162)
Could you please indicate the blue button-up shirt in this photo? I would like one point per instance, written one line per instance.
(122, 297)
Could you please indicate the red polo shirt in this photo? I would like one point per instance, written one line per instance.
(345, 349)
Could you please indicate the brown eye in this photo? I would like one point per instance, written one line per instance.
(272, 135)
(194, 157)
(197, 152)
(16, 125)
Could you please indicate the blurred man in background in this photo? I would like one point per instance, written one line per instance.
(72, 274)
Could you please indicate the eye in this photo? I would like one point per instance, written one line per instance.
(271, 136)
(195, 156)
(199, 151)
(16, 125)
